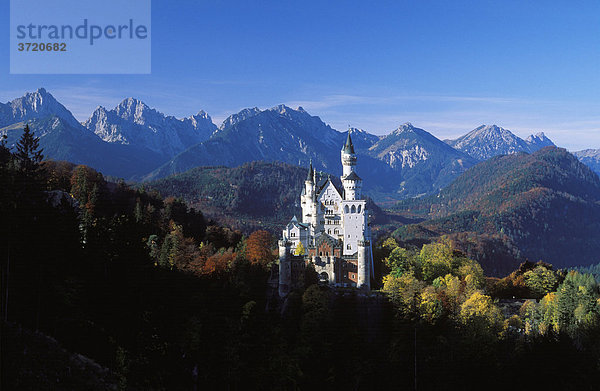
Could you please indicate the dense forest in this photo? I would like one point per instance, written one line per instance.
(106, 286)
(256, 195)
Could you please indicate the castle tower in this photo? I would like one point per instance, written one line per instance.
(309, 184)
(350, 180)
(308, 198)
(348, 157)
(364, 265)
(285, 268)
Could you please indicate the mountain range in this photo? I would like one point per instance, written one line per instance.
(136, 142)
(134, 123)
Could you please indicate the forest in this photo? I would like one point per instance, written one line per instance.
(106, 286)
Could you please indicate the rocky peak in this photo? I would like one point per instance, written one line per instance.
(239, 117)
(37, 104)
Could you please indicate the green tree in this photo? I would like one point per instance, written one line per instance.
(541, 281)
(401, 261)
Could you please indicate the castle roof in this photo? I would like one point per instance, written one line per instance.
(348, 147)
(323, 185)
(324, 237)
(309, 177)
(352, 177)
(294, 221)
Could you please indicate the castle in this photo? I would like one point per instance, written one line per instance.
(333, 234)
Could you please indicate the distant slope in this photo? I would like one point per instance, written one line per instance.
(250, 196)
(62, 141)
(487, 141)
(407, 162)
(420, 162)
(590, 157)
(540, 206)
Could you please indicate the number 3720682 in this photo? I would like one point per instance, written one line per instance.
(41, 47)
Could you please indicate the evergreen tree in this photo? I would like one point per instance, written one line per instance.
(29, 154)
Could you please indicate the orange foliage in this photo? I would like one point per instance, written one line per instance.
(258, 247)
(219, 262)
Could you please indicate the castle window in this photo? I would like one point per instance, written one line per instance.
(329, 231)
(348, 246)
(346, 209)
(359, 207)
(337, 231)
(353, 210)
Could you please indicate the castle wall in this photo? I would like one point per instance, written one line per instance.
(354, 223)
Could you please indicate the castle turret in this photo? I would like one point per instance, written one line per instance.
(350, 180)
(285, 267)
(309, 184)
(348, 157)
(364, 265)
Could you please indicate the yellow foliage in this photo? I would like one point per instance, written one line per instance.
(403, 291)
(480, 306)
(430, 307)
(299, 249)
(390, 243)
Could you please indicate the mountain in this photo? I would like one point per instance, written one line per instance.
(239, 117)
(544, 205)
(63, 138)
(420, 162)
(361, 139)
(590, 157)
(277, 134)
(538, 141)
(487, 141)
(38, 104)
(134, 123)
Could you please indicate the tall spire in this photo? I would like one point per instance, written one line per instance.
(348, 147)
(309, 177)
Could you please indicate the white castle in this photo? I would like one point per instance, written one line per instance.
(334, 231)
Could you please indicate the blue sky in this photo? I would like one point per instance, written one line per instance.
(445, 66)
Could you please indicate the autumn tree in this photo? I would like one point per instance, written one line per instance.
(299, 249)
(258, 247)
(541, 281)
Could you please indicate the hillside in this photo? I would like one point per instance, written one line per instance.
(591, 158)
(543, 206)
(248, 197)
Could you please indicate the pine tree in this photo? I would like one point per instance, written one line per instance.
(29, 154)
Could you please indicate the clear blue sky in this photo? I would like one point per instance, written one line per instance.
(445, 66)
